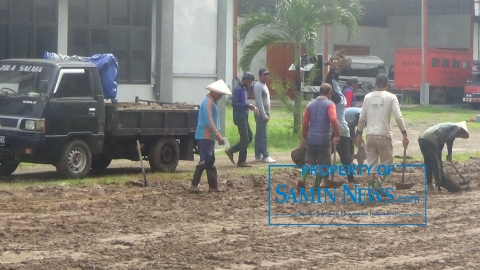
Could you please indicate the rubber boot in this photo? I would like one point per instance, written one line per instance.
(212, 180)
(301, 182)
(318, 180)
(197, 175)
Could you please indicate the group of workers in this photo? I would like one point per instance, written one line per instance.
(331, 122)
(334, 111)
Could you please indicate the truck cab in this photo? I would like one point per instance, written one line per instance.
(44, 103)
(54, 112)
(364, 67)
(472, 87)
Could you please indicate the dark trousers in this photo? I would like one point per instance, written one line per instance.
(346, 158)
(353, 130)
(245, 138)
(432, 158)
(261, 138)
(207, 162)
(207, 153)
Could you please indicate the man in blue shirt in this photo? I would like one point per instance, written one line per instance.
(240, 118)
(352, 115)
(207, 132)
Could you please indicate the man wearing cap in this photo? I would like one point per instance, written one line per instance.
(207, 132)
(349, 91)
(377, 109)
(262, 100)
(431, 143)
(319, 115)
(240, 118)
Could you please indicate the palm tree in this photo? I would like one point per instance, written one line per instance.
(297, 22)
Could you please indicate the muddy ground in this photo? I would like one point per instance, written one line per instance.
(164, 227)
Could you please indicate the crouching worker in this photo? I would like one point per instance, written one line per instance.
(319, 115)
(207, 133)
(431, 143)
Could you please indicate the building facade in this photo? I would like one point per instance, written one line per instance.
(386, 25)
(167, 50)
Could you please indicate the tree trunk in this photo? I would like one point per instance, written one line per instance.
(297, 116)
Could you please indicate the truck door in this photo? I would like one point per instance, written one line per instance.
(73, 105)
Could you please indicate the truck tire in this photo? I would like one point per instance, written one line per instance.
(101, 162)
(164, 155)
(8, 167)
(75, 161)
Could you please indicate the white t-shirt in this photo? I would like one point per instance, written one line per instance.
(377, 109)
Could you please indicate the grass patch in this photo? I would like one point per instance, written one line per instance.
(279, 130)
(431, 115)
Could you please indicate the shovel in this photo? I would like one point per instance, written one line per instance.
(464, 182)
(334, 184)
(404, 185)
(145, 182)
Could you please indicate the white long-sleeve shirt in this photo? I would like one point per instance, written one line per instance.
(377, 109)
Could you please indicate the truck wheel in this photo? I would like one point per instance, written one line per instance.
(164, 155)
(75, 161)
(8, 167)
(101, 162)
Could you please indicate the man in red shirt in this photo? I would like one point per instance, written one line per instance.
(319, 115)
(349, 92)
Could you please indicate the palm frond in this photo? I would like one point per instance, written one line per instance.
(262, 41)
(252, 21)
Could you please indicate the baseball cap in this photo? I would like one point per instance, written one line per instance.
(353, 80)
(381, 78)
(248, 76)
(263, 71)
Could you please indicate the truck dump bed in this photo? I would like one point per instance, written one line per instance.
(152, 118)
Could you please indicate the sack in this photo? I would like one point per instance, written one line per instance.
(361, 154)
(298, 156)
(340, 57)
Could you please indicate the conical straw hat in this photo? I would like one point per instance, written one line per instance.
(463, 125)
(220, 87)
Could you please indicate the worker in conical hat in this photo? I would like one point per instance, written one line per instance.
(431, 143)
(208, 131)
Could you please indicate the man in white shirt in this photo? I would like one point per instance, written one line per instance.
(377, 109)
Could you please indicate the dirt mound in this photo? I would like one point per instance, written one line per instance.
(154, 106)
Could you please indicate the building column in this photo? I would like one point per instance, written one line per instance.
(164, 50)
(222, 56)
(62, 32)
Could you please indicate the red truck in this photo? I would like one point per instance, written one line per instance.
(472, 88)
(447, 72)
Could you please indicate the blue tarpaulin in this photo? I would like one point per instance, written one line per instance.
(107, 68)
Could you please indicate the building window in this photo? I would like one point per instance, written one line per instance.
(445, 63)
(466, 64)
(375, 14)
(434, 62)
(27, 28)
(456, 64)
(246, 7)
(120, 27)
